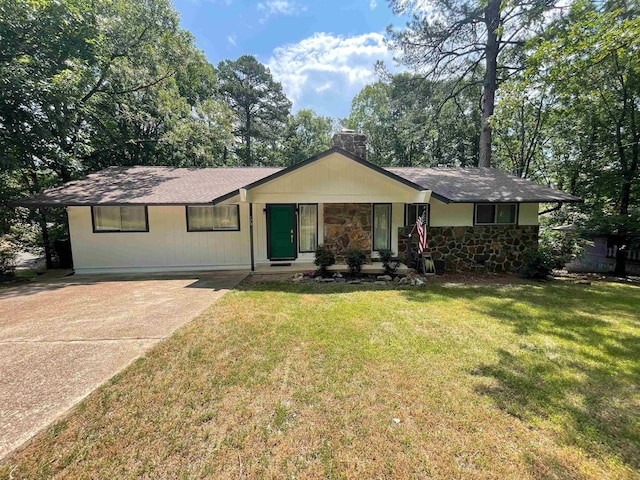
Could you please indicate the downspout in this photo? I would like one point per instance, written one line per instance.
(253, 267)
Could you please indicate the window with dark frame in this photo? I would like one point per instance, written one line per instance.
(496, 213)
(213, 218)
(308, 227)
(413, 211)
(381, 226)
(130, 218)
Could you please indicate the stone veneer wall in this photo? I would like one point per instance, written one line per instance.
(479, 248)
(347, 225)
(355, 143)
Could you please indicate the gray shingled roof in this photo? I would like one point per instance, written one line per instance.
(470, 185)
(179, 186)
(150, 186)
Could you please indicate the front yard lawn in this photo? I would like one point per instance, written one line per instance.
(531, 380)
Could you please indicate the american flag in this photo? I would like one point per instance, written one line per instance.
(421, 228)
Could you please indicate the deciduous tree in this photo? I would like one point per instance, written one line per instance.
(591, 62)
(306, 134)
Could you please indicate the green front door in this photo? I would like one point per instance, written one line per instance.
(281, 232)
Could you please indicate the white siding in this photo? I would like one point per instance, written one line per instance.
(167, 246)
(451, 214)
(528, 214)
(335, 179)
(260, 232)
(461, 214)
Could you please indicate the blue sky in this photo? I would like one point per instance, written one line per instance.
(323, 52)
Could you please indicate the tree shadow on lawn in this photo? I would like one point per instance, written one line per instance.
(574, 369)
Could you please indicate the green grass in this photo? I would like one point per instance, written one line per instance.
(276, 380)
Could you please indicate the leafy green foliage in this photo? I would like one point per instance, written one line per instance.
(590, 63)
(389, 261)
(538, 263)
(409, 121)
(562, 246)
(324, 259)
(464, 40)
(8, 253)
(86, 85)
(522, 128)
(305, 135)
(355, 258)
(260, 107)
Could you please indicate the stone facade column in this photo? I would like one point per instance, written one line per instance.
(347, 225)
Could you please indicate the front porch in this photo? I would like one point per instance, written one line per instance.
(295, 267)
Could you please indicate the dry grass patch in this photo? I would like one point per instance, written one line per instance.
(315, 381)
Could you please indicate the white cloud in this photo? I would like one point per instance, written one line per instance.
(408, 7)
(232, 39)
(373, 4)
(272, 8)
(323, 88)
(328, 68)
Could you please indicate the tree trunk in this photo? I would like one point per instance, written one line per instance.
(42, 218)
(48, 253)
(247, 159)
(621, 258)
(623, 244)
(492, 20)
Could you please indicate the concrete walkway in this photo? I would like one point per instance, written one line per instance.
(62, 338)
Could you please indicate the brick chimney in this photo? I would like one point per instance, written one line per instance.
(352, 142)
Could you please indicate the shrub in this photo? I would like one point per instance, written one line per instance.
(389, 261)
(355, 258)
(324, 259)
(563, 246)
(538, 263)
(7, 259)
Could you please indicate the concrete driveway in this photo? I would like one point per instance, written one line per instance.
(62, 338)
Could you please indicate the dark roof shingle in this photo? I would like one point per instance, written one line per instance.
(180, 186)
(479, 184)
(150, 186)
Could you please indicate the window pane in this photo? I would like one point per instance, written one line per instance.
(506, 213)
(485, 213)
(414, 210)
(308, 227)
(200, 218)
(133, 219)
(381, 226)
(225, 217)
(106, 218)
(412, 214)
